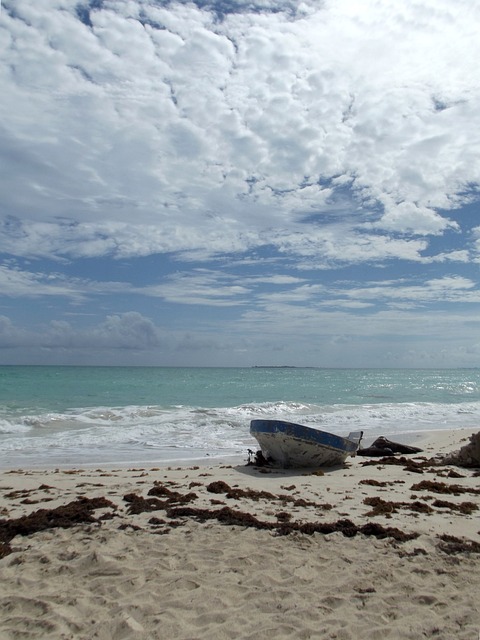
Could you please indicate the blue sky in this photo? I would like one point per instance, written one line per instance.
(240, 183)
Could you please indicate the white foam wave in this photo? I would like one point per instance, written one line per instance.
(133, 432)
(11, 426)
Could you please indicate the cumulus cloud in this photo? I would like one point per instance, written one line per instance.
(124, 331)
(262, 162)
(12, 336)
(130, 128)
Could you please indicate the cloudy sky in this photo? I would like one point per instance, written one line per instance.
(258, 182)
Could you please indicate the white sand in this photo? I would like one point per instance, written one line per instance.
(128, 578)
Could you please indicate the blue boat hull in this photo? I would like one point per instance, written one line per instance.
(294, 445)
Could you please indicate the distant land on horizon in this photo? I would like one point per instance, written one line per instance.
(279, 366)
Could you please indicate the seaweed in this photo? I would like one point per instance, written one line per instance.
(379, 483)
(442, 487)
(173, 496)
(452, 545)
(466, 508)
(386, 508)
(374, 483)
(235, 494)
(139, 504)
(408, 464)
(77, 512)
(228, 516)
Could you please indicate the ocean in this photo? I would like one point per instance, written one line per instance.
(79, 416)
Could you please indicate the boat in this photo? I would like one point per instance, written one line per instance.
(287, 444)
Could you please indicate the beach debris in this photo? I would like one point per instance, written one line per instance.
(468, 455)
(259, 459)
(229, 516)
(157, 521)
(409, 464)
(452, 545)
(387, 507)
(77, 512)
(380, 483)
(173, 496)
(236, 493)
(383, 447)
(442, 487)
(362, 590)
(24, 495)
(129, 525)
(139, 504)
(449, 473)
(466, 508)
(283, 516)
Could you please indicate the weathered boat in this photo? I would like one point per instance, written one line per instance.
(288, 444)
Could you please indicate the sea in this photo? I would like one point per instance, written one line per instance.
(82, 416)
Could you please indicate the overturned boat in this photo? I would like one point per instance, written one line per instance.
(288, 444)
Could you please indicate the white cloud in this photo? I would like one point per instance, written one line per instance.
(129, 330)
(409, 217)
(200, 287)
(300, 294)
(335, 244)
(261, 149)
(190, 124)
(12, 336)
(450, 289)
(17, 283)
(126, 331)
(462, 255)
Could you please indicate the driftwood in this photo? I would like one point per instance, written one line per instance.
(383, 447)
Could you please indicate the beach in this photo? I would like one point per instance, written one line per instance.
(229, 550)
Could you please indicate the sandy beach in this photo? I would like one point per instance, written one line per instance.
(370, 550)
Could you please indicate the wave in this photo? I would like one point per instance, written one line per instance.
(181, 432)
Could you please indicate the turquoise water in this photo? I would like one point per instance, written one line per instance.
(59, 388)
(76, 415)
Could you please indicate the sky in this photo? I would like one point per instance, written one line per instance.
(240, 183)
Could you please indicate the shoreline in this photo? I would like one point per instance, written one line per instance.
(413, 437)
(235, 551)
